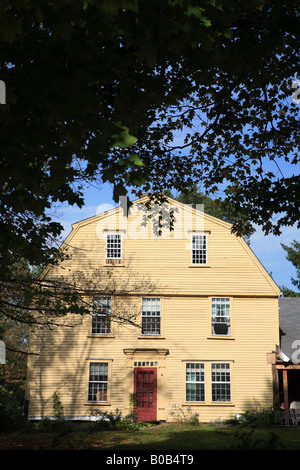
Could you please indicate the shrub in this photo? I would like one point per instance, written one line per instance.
(110, 420)
(247, 440)
(58, 424)
(57, 406)
(184, 416)
(11, 411)
(105, 419)
(132, 416)
(265, 417)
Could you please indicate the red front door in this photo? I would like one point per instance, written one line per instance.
(145, 390)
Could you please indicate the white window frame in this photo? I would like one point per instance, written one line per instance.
(199, 249)
(114, 252)
(96, 388)
(197, 379)
(101, 321)
(221, 316)
(220, 382)
(151, 316)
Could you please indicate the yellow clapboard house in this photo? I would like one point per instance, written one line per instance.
(183, 318)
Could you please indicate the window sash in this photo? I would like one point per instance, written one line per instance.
(221, 382)
(195, 382)
(199, 249)
(220, 315)
(113, 245)
(98, 382)
(101, 319)
(151, 317)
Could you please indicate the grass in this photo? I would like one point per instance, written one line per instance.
(160, 437)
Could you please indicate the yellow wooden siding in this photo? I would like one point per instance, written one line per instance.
(231, 265)
(232, 271)
(187, 338)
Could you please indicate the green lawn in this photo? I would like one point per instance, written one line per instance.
(160, 437)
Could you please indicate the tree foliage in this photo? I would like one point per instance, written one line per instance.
(100, 90)
(35, 302)
(241, 125)
(293, 255)
(147, 96)
(214, 207)
(15, 336)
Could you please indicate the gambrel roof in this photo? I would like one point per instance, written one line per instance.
(234, 269)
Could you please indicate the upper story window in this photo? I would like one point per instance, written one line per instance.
(220, 316)
(199, 248)
(101, 320)
(151, 324)
(113, 246)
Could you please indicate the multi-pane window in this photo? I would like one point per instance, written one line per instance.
(199, 249)
(98, 382)
(220, 315)
(195, 382)
(113, 246)
(220, 382)
(101, 320)
(151, 316)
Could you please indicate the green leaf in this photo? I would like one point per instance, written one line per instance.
(124, 139)
(197, 12)
(121, 162)
(135, 159)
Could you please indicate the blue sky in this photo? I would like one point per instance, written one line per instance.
(267, 248)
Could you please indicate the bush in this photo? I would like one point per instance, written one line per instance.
(248, 440)
(265, 417)
(57, 406)
(104, 419)
(184, 416)
(53, 425)
(11, 411)
(110, 420)
(58, 424)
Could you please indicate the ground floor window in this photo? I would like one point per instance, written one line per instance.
(207, 382)
(98, 382)
(195, 382)
(220, 382)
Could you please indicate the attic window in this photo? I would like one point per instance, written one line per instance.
(199, 249)
(113, 246)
